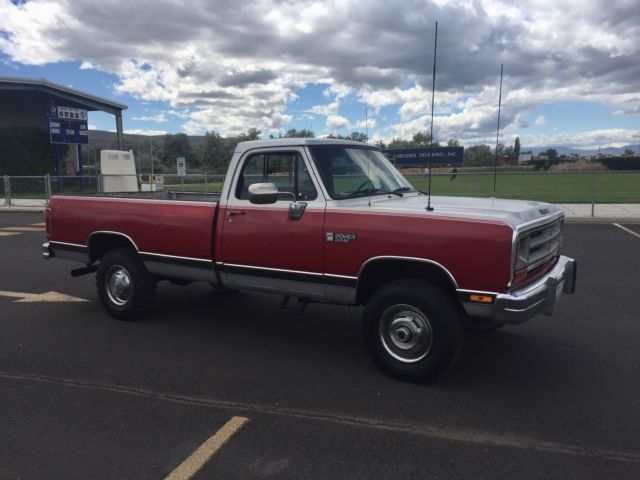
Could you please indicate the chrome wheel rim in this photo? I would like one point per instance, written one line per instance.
(406, 333)
(119, 286)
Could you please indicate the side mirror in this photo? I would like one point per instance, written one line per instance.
(263, 193)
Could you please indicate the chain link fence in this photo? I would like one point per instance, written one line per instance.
(583, 194)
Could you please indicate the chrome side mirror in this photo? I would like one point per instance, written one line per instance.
(296, 209)
(263, 193)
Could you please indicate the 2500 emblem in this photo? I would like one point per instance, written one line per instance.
(340, 237)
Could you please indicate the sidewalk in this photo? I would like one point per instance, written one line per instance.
(602, 212)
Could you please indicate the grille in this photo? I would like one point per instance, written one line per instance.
(537, 246)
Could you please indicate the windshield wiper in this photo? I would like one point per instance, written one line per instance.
(403, 189)
(371, 191)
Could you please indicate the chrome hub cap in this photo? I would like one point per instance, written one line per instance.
(119, 285)
(406, 333)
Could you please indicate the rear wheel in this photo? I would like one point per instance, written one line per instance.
(412, 330)
(125, 288)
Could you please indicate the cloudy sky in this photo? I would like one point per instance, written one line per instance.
(572, 69)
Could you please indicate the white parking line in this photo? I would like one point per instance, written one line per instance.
(22, 229)
(23, 297)
(635, 234)
(8, 234)
(203, 454)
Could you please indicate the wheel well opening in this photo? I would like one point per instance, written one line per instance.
(101, 243)
(381, 272)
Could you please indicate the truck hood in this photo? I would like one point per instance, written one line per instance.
(511, 212)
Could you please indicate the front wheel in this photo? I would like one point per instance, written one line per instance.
(125, 288)
(412, 330)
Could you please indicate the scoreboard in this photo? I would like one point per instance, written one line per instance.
(68, 125)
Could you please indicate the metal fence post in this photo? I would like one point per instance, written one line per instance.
(593, 194)
(7, 191)
(100, 183)
(206, 183)
(47, 186)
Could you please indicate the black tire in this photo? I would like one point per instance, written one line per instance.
(217, 288)
(125, 288)
(412, 330)
(479, 324)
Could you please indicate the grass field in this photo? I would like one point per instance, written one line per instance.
(549, 187)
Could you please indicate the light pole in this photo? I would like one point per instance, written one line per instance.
(638, 137)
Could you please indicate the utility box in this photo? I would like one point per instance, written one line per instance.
(118, 171)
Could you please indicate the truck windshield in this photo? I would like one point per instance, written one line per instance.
(350, 172)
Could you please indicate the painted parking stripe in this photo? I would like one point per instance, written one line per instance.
(203, 454)
(23, 297)
(628, 230)
(8, 234)
(41, 224)
(22, 229)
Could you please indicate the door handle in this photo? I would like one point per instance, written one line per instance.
(233, 213)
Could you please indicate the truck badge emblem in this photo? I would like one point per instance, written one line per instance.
(340, 237)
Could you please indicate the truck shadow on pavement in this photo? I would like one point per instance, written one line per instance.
(510, 356)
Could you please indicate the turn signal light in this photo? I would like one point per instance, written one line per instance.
(481, 298)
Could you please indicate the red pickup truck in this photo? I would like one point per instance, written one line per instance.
(328, 221)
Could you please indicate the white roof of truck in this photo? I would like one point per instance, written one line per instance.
(296, 142)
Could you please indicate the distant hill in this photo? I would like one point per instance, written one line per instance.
(104, 139)
(569, 151)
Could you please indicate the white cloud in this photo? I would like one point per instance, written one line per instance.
(137, 131)
(336, 122)
(540, 121)
(228, 72)
(158, 118)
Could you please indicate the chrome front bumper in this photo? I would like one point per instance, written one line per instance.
(539, 297)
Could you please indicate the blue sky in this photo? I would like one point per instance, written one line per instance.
(570, 71)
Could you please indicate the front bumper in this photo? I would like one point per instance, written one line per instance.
(539, 297)
(518, 306)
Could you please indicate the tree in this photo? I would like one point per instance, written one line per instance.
(251, 134)
(423, 139)
(551, 153)
(453, 142)
(478, 155)
(177, 146)
(400, 143)
(304, 133)
(628, 153)
(214, 151)
(516, 146)
(354, 136)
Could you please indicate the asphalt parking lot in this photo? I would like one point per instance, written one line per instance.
(227, 386)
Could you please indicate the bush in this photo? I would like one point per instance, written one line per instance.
(27, 151)
(622, 163)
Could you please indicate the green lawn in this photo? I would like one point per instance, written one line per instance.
(547, 187)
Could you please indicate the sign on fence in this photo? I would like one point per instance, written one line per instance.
(419, 157)
(182, 166)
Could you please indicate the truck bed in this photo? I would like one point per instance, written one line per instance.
(213, 197)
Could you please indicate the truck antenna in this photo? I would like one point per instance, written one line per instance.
(366, 119)
(495, 165)
(433, 94)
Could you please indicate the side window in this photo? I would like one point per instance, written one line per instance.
(286, 170)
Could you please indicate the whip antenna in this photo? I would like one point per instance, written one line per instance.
(433, 94)
(495, 165)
